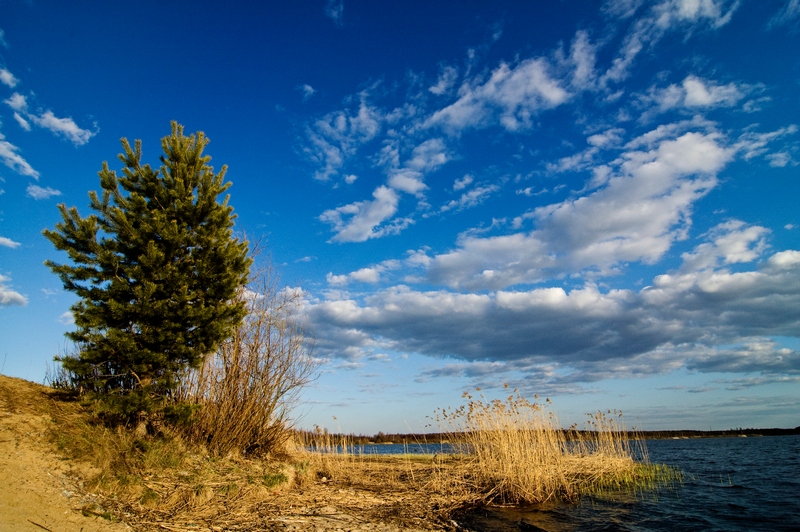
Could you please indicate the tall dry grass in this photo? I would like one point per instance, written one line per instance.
(515, 451)
(243, 394)
(510, 451)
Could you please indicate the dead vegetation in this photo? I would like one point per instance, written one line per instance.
(163, 481)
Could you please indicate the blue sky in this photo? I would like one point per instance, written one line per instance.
(592, 201)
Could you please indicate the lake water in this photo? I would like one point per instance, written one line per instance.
(730, 484)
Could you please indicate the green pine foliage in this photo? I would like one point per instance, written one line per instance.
(157, 271)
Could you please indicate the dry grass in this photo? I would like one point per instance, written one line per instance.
(153, 479)
(516, 452)
(511, 452)
(244, 392)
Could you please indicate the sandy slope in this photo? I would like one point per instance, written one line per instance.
(39, 490)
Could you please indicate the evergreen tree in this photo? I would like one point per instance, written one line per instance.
(157, 271)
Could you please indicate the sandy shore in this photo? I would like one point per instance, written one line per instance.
(43, 491)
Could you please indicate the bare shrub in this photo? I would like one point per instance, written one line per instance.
(245, 391)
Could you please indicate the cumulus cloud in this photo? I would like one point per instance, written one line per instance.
(511, 97)
(408, 181)
(7, 78)
(17, 102)
(694, 93)
(308, 91)
(337, 136)
(10, 156)
(38, 193)
(428, 156)
(369, 275)
(580, 161)
(364, 220)
(462, 183)
(425, 158)
(8, 296)
(8, 243)
(730, 242)
(636, 216)
(444, 84)
(582, 59)
(710, 320)
(65, 127)
(67, 318)
(24, 124)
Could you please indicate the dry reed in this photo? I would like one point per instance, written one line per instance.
(516, 452)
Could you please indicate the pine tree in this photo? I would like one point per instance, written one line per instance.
(156, 269)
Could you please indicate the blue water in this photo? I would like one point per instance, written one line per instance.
(730, 484)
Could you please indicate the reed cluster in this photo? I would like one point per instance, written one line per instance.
(515, 451)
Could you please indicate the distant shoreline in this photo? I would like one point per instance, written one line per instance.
(680, 434)
(436, 438)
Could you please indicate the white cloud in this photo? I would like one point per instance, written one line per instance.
(462, 183)
(366, 275)
(621, 8)
(644, 207)
(471, 198)
(672, 12)
(334, 10)
(752, 144)
(582, 59)
(511, 96)
(701, 93)
(428, 156)
(710, 321)
(308, 91)
(22, 122)
(667, 15)
(65, 127)
(693, 93)
(12, 159)
(7, 78)
(8, 296)
(337, 136)
(788, 13)
(780, 159)
(730, 242)
(369, 275)
(67, 318)
(444, 84)
(17, 102)
(7, 242)
(350, 179)
(38, 193)
(408, 181)
(425, 157)
(360, 221)
(580, 161)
